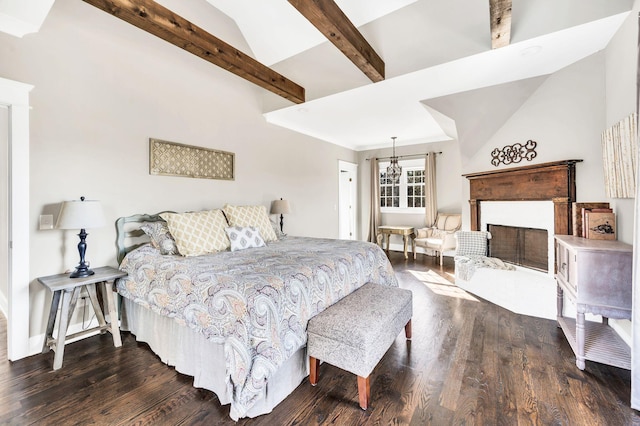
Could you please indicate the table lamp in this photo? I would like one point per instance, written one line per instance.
(81, 214)
(280, 207)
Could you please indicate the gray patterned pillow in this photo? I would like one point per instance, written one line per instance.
(160, 237)
(244, 237)
(471, 243)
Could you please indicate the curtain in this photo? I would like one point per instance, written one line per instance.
(430, 196)
(374, 217)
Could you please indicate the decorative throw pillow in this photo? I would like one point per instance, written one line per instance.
(251, 216)
(471, 243)
(199, 232)
(244, 238)
(424, 232)
(440, 234)
(160, 237)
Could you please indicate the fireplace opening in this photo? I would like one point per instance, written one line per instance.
(520, 246)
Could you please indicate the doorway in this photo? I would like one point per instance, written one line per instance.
(14, 97)
(347, 196)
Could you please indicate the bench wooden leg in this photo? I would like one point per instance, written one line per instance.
(407, 330)
(314, 370)
(363, 392)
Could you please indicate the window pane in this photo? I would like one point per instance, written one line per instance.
(409, 192)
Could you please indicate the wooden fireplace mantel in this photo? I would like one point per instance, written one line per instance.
(555, 181)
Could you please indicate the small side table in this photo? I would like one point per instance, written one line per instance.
(405, 231)
(69, 289)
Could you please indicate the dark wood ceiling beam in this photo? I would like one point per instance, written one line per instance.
(161, 22)
(329, 19)
(500, 11)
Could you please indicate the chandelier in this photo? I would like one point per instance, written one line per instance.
(394, 171)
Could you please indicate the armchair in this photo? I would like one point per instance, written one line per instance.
(440, 237)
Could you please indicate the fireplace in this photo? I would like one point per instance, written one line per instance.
(519, 188)
(520, 246)
(504, 218)
(537, 197)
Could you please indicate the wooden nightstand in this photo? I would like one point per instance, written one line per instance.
(69, 289)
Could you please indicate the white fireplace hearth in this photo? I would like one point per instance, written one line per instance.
(524, 291)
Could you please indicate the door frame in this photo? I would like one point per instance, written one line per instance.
(353, 169)
(15, 96)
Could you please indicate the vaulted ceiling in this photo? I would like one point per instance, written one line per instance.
(440, 53)
(361, 71)
(444, 61)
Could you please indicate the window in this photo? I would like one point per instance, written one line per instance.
(407, 195)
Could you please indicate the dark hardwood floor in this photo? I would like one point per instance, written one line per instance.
(470, 362)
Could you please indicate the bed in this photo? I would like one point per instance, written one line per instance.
(236, 320)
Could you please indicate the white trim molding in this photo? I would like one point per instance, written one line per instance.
(15, 96)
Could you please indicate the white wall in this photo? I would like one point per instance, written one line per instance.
(620, 83)
(565, 116)
(102, 89)
(621, 80)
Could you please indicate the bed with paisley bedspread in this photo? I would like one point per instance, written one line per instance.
(236, 321)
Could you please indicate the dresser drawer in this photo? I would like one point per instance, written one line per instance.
(566, 268)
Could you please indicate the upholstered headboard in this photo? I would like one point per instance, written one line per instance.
(129, 236)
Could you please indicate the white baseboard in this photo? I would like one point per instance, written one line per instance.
(623, 328)
(421, 250)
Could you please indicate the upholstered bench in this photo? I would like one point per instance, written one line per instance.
(356, 332)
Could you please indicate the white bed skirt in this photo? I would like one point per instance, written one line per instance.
(193, 355)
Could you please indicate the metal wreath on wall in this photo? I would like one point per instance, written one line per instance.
(512, 154)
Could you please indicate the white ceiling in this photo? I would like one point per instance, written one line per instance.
(439, 64)
(432, 49)
(20, 17)
(366, 117)
(275, 30)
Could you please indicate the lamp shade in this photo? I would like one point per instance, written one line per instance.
(280, 207)
(80, 214)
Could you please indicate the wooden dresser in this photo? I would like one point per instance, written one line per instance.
(596, 276)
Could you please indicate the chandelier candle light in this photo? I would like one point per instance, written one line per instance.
(81, 214)
(394, 171)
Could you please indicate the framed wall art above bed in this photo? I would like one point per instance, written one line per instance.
(176, 159)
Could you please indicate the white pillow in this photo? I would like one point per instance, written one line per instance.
(257, 216)
(199, 232)
(244, 237)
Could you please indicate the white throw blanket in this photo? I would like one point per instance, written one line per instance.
(467, 265)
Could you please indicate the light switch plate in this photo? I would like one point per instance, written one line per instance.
(46, 221)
